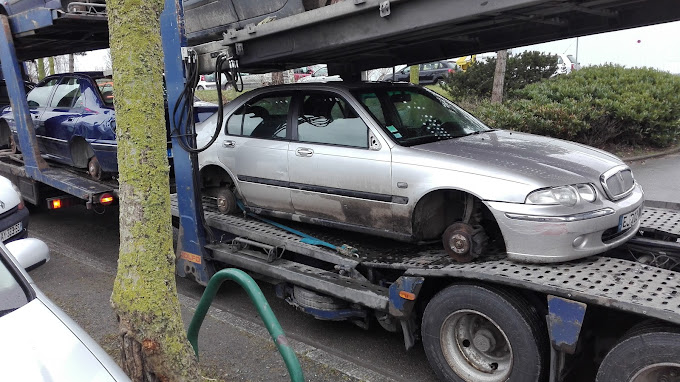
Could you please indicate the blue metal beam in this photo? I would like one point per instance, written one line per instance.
(33, 162)
(191, 259)
(32, 19)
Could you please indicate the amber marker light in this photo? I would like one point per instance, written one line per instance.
(407, 295)
(56, 203)
(106, 199)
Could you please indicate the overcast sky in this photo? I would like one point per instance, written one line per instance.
(656, 46)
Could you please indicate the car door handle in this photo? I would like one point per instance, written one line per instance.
(229, 144)
(304, 152)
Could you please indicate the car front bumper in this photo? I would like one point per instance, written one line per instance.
(547, 238)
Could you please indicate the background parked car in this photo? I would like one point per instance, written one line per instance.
(207, 82)
(75, 121)
(320, 75)
(39, 341)
(430, 73)
(566, 63)
(13, 212)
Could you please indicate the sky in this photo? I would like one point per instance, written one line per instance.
(656, 46)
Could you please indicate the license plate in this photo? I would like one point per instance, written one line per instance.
(11, 231)
(628, 220)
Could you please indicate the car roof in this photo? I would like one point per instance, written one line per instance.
(340, 85)
(93, 75)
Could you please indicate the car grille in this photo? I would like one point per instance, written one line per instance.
(618, 182)
(612, 234)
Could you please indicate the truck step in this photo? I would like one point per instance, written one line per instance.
(346, 288)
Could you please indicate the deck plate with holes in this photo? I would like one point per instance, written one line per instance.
(622, 284)
(660, 219)
(606, 281)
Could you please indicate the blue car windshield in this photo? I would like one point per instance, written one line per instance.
(413, 116)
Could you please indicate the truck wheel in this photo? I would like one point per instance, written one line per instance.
(476, 333)
(464, 242)
(649, 352)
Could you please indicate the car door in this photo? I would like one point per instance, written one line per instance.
(335, 175)
(254, 149)
(60, 118)
(38, 100)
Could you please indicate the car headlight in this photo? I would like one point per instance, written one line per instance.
(564, 195)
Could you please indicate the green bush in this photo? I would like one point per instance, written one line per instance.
(597, 106)
(521, 70)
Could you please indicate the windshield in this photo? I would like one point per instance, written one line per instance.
(413, 116)
(12, 295)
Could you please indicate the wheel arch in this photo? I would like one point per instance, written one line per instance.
(81, 151)
(5, 133)
(216, 175)
(446, 205)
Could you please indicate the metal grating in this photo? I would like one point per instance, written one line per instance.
(622, 284)
(256, 230)
(660, 219)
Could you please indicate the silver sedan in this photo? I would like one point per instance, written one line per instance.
(400, 161)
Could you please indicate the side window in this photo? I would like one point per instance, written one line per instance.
(264, 118)
(39, 96)
(105, 86)
(372, 103)
(67, 94)
(326, 118)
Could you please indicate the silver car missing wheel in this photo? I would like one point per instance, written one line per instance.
(400, 161)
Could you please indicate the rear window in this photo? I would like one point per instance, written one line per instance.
(105, 86)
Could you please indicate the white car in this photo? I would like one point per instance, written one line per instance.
(320, 75)
(39, 341)
(13, 212)
(566, 63)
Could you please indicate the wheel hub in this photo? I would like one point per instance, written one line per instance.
(475, 347)
(459, 243)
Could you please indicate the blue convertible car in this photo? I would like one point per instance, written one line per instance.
(75, 121)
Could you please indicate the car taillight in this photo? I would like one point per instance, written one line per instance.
(573, 66)
(202, 78)
(451, 70)
(106, 199)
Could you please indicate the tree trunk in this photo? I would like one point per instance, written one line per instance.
(277, 78)
(51, 63)
(415, 74)
(153, 342)
(71, 63)
(499, 76)
(41, 69)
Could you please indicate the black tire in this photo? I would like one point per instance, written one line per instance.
(200, 87)
(509, 342)
(648, 352)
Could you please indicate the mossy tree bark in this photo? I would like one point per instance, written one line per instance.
(51, 62)
(154, 346)
(41, 69)
(414, 76)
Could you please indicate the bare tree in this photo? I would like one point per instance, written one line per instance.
(41, 68)
(152, 338)
(50, 60)
(414, 74)
(499, 76)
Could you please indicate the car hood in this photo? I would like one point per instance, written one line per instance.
(39, 346)
(527, 158)
(8, 197)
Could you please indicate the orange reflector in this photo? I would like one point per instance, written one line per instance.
(106, 199)
(407, 295)
(56, 203)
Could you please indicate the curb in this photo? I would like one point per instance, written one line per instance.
(653, 155)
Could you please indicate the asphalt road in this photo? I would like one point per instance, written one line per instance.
(234, 345)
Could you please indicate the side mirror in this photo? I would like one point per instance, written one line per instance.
(30, 253)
